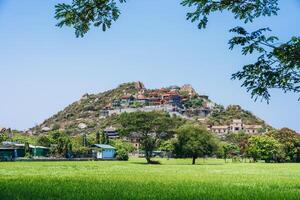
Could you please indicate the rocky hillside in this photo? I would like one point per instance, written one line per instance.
(224, 116)
(83, 116)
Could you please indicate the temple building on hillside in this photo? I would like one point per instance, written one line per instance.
(237, 125)
(111, 132)
(188, 89)
(142, 99)
(126, 100)
(133, 138)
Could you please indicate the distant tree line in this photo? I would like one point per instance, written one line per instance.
(186, 139)
(176, 137)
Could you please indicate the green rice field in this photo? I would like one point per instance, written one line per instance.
(173, 179)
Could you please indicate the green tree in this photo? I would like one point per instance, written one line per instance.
(98, 137)
(3, 136)
(194, 102)
(290, 142)
(62, 145)
(168, 146)
(84, 141)
(152, 126)
(44, 140)
(78, 150)
(123, 149)
(104, 138)
(277, 65)
(194, 141)
(27, 150)
(228, 150)
(264, 147)
(240, 139)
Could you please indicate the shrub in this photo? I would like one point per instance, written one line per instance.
(123, 149)
(122, 154)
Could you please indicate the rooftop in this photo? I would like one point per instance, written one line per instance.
(103, 146)
(110, 129)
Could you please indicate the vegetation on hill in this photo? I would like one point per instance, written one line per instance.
(83, 116)
(85, 112)
(157, 130)
(70, 132)
(222, 116)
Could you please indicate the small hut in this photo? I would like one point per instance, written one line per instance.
(7, 153)
(13, 150)
(39, 151)
(103, 151)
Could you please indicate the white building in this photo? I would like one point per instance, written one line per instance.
(236, 126)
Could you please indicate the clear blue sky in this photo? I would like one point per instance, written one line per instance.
(44, 68)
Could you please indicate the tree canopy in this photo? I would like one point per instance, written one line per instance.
(290, 142)
(194, 141)
(152, 127)
(264, 147)
(277, 65)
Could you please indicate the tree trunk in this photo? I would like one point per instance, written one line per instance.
(194, 160)
(148, 160)
(148, 156)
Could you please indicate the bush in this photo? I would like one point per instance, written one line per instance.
(122, 154)
(123, 149)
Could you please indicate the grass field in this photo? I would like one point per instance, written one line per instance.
(173, 179)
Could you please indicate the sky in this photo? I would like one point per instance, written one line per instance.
(44, 68)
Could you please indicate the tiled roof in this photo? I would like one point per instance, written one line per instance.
(219, 127)
(110, 129)
(252, 126)
(141, 97)
(103, 146)
(237, 121)
(127, 96)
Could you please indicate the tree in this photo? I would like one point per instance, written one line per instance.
(123, 149)
(167, 146)
(152, 127)
(194, 141)
(44, 140)
(3, 136)
(98, 137)
(240, 139)
(78, 149)
(27, 150)
(290, 141)
(228, 150)
(84, 140)
(277, 66)
(104, 138)
(81, 14)
(264, 147)
(62, 145)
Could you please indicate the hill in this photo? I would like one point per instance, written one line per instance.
(94, 112)
(82, 116)
(224, 116)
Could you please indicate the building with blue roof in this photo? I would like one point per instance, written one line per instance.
(103, 151)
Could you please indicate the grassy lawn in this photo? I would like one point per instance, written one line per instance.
(173, 179)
